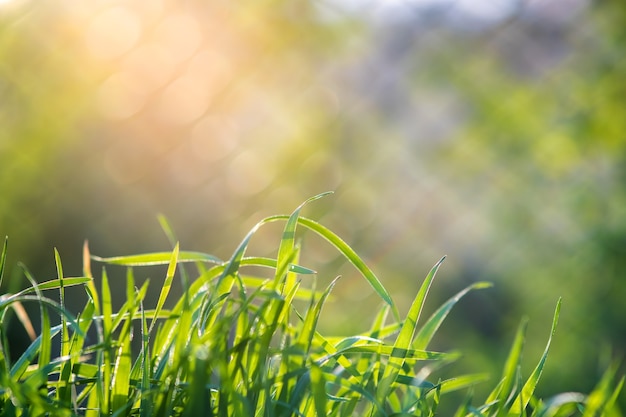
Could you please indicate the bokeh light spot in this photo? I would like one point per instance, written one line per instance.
(248, 174)
(183, 101)
(120, 96)
(113, 32)
(180, 35)
(213, 138)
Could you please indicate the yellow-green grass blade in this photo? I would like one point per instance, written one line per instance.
(7, 302)
(604, 395)
(62, 392)
(318, 390)
(462, 382)
(138, 367)
(107, 329)
(405, 338)
(21, 365)
(509, 374)
(522, 399)
(332, 354)
(309, 325)
(65, 340)
(428, 330)
(346, 385)
(559, 402)
(287, 242)
(394, 353)
(167, 229)
(303, 342)
(46, 338)
(271, 263)
(120, 381)
(350, 255)
(53, 285)
(3, 258)
(158, 258)
(167, 284)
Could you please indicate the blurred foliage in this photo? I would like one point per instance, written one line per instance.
(497, 141)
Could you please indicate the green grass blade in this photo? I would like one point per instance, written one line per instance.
(318, 389)
(405, 337)
(54, 284)
(120, 381)
(158, 258)
(287, 242)
(3, 258)
(428, 330)
(349, 254)
(107, 329)
(19, 367)
(509, 375)
(525, 395)
(271, 263)
(65, 339)
(603, 395)
(167, 284)
(167, 229)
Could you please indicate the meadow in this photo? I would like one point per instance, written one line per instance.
(245, 344)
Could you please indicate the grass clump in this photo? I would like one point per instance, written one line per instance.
(235, 344)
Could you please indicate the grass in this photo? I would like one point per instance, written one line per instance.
(236, 344)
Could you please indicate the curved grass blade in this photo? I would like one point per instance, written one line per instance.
(428, 330)
(556, 403)
(287, 241)
(46, 337)
(54, 284)
(348, 253)
(522, 399)
(20, 366)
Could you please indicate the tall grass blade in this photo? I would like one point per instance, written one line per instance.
(318, 389)
(3, 258)
(107, 341)
(120, 382)
(167, 284)
(287, 242)
(404, 339)
(522, 399)
(349, 254)
(504, 389)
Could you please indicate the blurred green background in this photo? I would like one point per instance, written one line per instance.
(490, 131)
